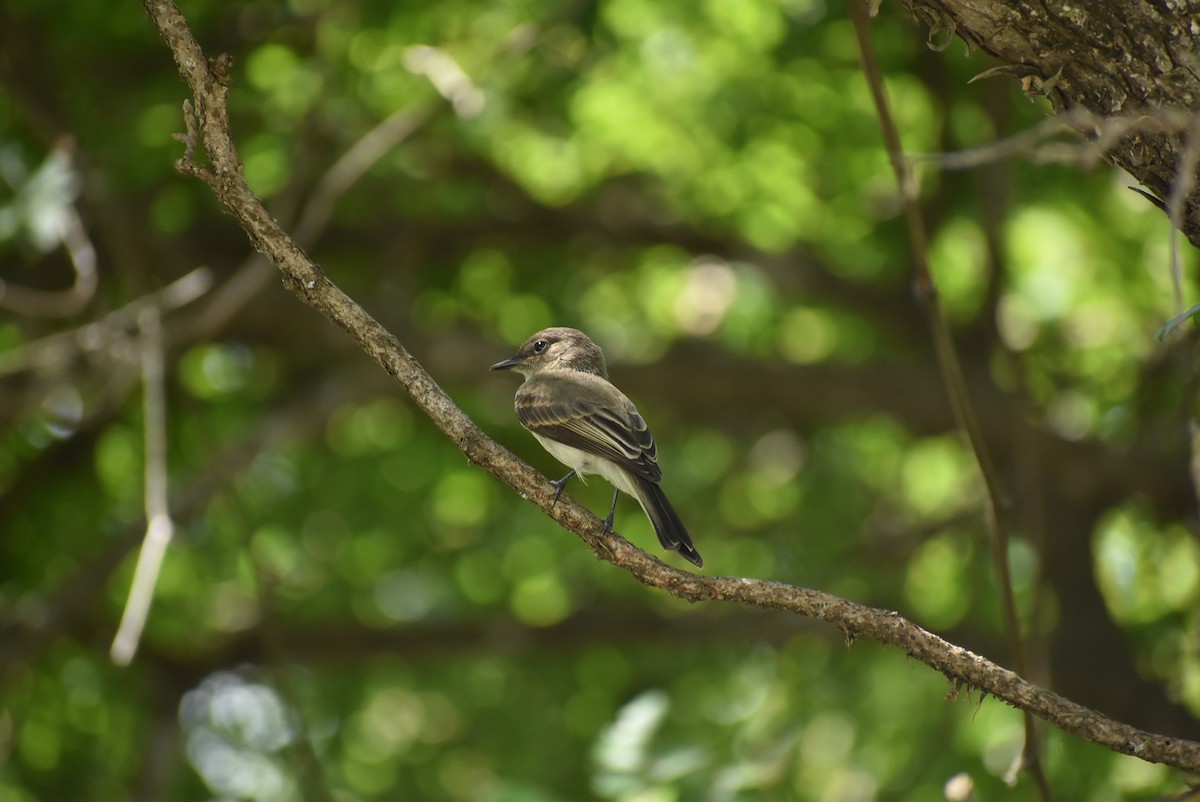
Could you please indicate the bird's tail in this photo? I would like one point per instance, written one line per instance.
(670, 530)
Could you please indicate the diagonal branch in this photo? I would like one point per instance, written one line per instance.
(209, 123)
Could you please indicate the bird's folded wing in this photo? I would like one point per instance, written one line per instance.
(612, 434)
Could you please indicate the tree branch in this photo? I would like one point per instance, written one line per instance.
(209, 82)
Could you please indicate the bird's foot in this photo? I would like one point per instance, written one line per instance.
(559, 484)
(612, 512)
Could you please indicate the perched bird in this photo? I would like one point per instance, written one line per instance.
(575, 412)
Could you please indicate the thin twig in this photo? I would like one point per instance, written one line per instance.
(67, 607)
(159, 527)
(951, 367)
(1102, 131)
(309, 284)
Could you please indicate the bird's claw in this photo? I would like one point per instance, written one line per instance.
(612, 512)
(559, 484)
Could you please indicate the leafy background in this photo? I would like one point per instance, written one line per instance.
(350, 611)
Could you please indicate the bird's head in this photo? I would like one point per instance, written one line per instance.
(556, 348)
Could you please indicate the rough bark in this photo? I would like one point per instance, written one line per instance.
(1136, 61)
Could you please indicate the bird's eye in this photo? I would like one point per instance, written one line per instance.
(539, 346)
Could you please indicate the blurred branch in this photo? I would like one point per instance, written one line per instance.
(1103, 132)
(69, 607)
(159, 527)
(952, 377)
(61, 347)
(208, 126)
(52, 206)
(314, 218)
(353, 164)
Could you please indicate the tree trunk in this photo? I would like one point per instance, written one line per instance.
(1108, 57)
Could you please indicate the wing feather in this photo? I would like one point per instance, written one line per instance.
(613, 432)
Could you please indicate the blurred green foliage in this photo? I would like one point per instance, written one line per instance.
(350, 611)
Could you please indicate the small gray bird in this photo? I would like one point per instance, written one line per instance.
(569, 405)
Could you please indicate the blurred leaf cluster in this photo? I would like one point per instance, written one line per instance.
(350, 611)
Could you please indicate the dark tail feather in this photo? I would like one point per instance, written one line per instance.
(670, 530)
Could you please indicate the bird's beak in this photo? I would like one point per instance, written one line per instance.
(505, 364)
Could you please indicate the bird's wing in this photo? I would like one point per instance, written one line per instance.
(618, 434)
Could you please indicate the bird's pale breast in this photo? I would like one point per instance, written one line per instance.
(584, 463)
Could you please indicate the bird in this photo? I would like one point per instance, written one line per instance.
(568, 404)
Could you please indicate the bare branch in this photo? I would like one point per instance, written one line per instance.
(209, 85)
(159, 527)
